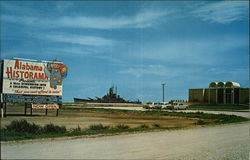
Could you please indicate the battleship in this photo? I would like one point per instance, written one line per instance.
(110, 97)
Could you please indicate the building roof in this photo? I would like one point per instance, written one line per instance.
(224, 84)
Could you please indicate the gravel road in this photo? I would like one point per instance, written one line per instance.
(218, 142)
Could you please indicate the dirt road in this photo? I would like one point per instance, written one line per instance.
(219, 142)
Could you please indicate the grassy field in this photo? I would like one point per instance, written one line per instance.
(32, 131)
(75, 121)
(212, 118)
(219, 107)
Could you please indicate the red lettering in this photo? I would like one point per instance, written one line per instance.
(17, 64)
(16, 74)
(21, 73)
(9, 72)
(31, 75)
(26, 75)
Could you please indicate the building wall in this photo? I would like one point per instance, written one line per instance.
(206, 95)
(196, 95)
(212, 96)
(244, 96)
(218, 96)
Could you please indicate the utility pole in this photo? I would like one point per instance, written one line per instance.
(163, 85)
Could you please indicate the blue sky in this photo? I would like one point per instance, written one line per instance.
(136, 45)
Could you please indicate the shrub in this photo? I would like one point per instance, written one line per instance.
(98, 127)
(200, 122)
(122, 126)
(78, 129)
(51, 128)
(144, 126)
(24, 126)
(155, 125)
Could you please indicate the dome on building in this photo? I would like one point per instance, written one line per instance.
(232, 84)
(213, 84)
(221, 84)
(224, 84)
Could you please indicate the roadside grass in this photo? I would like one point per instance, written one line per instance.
(10, 133)
(219, 107)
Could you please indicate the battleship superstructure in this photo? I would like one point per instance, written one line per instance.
(110, 97)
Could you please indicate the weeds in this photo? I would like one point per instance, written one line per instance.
(51, 128)
(155, 125)
(98, 127)
(144, 126)
(122, 126)
(78, 129)
(200, 122)
(26, 127)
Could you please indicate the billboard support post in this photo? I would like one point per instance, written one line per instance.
(46, 111)
(25, 108)
(31, 111)
(5, 110)
(1, 110)
(57, 111)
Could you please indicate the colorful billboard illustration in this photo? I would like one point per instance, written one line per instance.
(33, 78)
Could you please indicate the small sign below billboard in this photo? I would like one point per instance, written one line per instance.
(45, 106)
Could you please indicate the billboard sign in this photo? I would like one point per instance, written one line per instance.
(33, 78)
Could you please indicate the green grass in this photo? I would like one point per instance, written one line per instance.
(13, 134)
(219, 107)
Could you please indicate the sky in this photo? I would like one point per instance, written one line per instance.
(134, 45)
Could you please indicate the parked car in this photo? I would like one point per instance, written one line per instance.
(149, 105)
(177, 105)
(162, 105)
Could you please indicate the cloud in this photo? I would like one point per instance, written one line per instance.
(78, 39)
(141, 20)
(149, 70)
(223, 12)
(72, 50)
(190, 50)
(63, 6)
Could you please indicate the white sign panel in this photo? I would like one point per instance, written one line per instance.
(45, 106)
(33, 78)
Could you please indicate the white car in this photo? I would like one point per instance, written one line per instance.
(162, 105)
(177, 106)
(149, 105)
